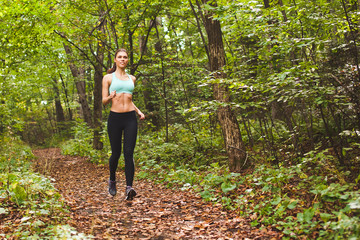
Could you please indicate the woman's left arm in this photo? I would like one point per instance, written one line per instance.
(142, 116)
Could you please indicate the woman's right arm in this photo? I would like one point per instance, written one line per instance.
(106, 97)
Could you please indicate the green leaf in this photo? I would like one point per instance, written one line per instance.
(309, 214)
(254, 223)
(25, 219)
(206, 195)
(292, 204)
(355, 204)
(227, 187)
(3, 211)
(18, 193)
(276, 201)
(326, 216)
(300, 217)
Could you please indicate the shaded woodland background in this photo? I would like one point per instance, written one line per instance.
(269, 88)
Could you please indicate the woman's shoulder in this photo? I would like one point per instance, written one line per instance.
(107, 77)
(132, 77)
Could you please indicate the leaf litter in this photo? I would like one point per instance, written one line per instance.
(156, 213)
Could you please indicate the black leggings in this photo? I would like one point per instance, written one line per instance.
(117, 124)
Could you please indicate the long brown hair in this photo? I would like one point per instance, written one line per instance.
(113, 69)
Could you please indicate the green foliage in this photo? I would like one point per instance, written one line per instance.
(184, 148)
(29, 197)
(300, 200)
(291, 191)
(292, 74)
(81, 143)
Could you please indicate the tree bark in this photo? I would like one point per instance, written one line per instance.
(67, 104)
(97, 93)
(158, 48)
(60, 117)
(199, 28)
(79, 78)
(230, 128)
(150, 98)
(282, 11)
(98, 75)
(266, 3)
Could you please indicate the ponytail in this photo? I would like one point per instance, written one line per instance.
(111, 70)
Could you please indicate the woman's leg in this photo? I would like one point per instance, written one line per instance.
(130, 135)
(115, 135)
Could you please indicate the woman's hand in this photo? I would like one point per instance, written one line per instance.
(112, 94)
(141, 115)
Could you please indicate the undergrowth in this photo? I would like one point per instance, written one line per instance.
(31, 208)
(309, 199)
(82, 143)
(306, 200)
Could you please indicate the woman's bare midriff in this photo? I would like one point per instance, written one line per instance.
(122, 102)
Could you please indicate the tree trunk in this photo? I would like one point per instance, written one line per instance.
(60, 117)
(150, 98)
(158, 48)
(199, 28)
(79, 77)
(282, 11)
(266, 3)
(229, 124)
(98, 76)
(67, 104)
(97, 144)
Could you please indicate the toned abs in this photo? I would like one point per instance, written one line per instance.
(122, 102)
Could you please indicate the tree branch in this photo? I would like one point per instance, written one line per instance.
(77, 47)
(145, 42)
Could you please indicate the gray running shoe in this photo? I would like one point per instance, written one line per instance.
(112, 188)
(130, 193)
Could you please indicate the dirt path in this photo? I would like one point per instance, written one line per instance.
(156, 213)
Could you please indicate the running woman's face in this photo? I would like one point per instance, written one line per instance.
(121, 59)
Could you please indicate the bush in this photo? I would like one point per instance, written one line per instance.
(81, 144)
(307, 199)
(29, 197)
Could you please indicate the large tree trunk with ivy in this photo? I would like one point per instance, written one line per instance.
(97, 144)
(229, 124)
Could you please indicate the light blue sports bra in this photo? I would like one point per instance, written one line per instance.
(121, 86)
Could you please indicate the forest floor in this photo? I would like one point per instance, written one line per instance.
(156, 213)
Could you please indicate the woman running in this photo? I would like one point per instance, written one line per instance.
(117, 88)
